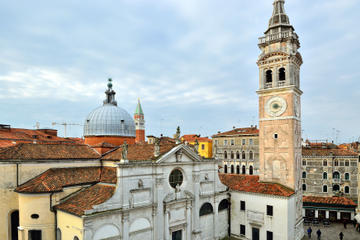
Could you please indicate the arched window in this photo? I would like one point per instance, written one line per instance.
(347, 189)
(237, 169)
(223, 205)
(243, 170)
(58, 234)
(347, 176)
(304, 187)
(237, 155)
(232, 168)
(251, 170)
(251, 155)
(225, 168)
(243, 155)
(336, 163)
(232, 155)
(282, 74)
(324, 175)
(336, 175)
(225, 154)
(206, 209)
(325, 188)
(76, 238)
(268, 76)
(347, 163)
(303, 174)
(336, 187)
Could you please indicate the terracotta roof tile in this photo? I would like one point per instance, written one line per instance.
(86, 199)
(30, 151)
(139, 152)
(239, 132)
(250, 183)
(192, 137)
(339, 201)
(20, 135)
(327, 152)
(55, 179)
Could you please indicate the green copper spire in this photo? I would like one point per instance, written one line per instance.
(139, 110)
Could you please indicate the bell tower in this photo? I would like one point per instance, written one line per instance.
(279, 101)
(139, 123)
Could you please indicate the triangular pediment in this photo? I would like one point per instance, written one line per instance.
(180, 153)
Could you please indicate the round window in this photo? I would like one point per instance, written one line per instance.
(35, 216)
(176, 178)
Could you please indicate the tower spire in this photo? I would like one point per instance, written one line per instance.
(279, 20)
(110, 94)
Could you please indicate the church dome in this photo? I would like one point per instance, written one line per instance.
(109, 119)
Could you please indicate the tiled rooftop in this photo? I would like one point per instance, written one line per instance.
(139, 152)
(339, 201)
(86, 199)
(250, 183)
(239, 132)
(192, 137)
(30, 151)
(55, 179)
(11, 136)
(320, 152)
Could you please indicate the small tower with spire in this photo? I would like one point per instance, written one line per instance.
(139, 123)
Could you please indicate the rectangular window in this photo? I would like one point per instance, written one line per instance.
(242, 230)
(341, 163)
(216, 142)
(325, 163)
(35, 235)
(251, 142)
(304, 162)
(347, 163)
(269, 210)
(225, 142)
(202, 146)
(242, 205)
(243, 141)
(269, 235)
(232, 142)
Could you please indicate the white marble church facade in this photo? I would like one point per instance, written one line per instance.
(145, 205)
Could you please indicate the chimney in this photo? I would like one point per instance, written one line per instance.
(234, 127)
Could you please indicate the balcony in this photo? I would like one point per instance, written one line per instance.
(255, 217)
(281, 83)
(277, 36)
(268, 85)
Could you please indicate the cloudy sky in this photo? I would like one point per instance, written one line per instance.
(192, 63)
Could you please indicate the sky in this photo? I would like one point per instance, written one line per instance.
(191, 63)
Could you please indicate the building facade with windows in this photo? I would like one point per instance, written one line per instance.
(328, 170)
(204, 144)
(237, 150)
(146, 191)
